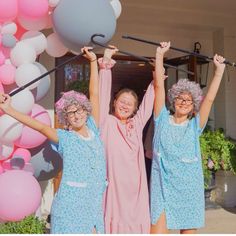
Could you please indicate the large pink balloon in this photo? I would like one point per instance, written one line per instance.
(8, 10)
(7, 74)
(1, 168)
(31, 138)
(33, 9)
(2, 58)
(20, 195)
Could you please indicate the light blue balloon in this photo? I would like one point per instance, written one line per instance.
(8, 40)
(75, 21)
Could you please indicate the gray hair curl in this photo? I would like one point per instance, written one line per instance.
(186, 86)
(68, 99)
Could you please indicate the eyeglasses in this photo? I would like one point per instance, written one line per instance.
(72, 114)
(181, 100)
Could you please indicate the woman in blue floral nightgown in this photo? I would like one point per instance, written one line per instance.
(77, 207)
(177, 185)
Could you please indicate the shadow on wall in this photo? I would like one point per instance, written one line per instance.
(47, 163)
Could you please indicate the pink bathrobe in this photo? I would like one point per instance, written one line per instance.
(126, 200)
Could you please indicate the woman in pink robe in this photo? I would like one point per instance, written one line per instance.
(127, 200)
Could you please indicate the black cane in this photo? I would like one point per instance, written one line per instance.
(177, 49)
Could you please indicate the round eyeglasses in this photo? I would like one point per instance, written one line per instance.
(79, 111)
(181, 100)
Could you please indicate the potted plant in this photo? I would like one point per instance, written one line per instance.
(29, 225)
(218, 153)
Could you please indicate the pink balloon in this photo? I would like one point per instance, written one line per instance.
(2, 221)
(2, 58)
(6, 52)
(8, 10)
(1, 169)
(20, 195)
(6, 165)
(23, 153)
(33, 9)
(7, 74)
(31, 138)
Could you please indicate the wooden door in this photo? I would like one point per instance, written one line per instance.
(127, 72)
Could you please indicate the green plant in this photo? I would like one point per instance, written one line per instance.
(218, 152)
(29, 225)
(80, 86)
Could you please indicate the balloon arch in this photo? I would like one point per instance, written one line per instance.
(21, 42)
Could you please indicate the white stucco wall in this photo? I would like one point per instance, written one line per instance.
(220, 41)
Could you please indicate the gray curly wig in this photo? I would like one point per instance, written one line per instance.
(71, 98)
(186, 86)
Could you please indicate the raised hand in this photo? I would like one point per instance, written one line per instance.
(161, 50)
(90, 55)
(219, 64)
(108, 53)
(5, 101)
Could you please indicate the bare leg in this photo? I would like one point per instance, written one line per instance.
(188, 231)
(160, 227)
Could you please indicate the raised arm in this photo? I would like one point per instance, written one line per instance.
(146, 107)
(46, 130)
(105, 81)
(212, 91)
(159, 78)
(93, 83)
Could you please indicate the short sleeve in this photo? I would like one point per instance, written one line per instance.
(58, 147)
(92, 125)
(164, 114)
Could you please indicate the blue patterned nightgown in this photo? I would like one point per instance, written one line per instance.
(77, 207)
(177, 185)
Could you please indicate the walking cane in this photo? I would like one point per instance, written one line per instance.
(134, 55)
(43, 75)
(177, 49)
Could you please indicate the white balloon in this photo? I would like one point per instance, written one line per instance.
(26, 73)
(36, 39)
(6, 150)
(116, 5)
(10, 130)
(53, 3)
(8, 62)
(44, 83)
(23, 101)
(55, 47)
(9, 28)
(22, 53)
